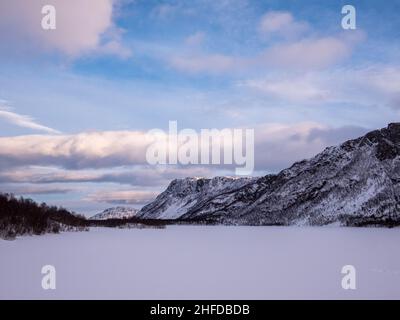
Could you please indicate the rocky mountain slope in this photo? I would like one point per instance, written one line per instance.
(116, 213)
(356, 183)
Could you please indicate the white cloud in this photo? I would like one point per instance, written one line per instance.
(84, 150)
(281, 23)
(195, 39)
(164, 11)
(33, 190)
(127, 197)
(207, 63)
(275, 21)
(369, 85)
(138, 176)
(308, 53)
(277, 145)
(80, 25)
(290, 88)
(384, 80)
(299, 55)
(297, 47)
(23, 121)
(114, 47)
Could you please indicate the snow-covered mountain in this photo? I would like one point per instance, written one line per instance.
(355, 183)
(184, 194)
(116, 213)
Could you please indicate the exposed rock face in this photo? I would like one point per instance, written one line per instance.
(356, 183)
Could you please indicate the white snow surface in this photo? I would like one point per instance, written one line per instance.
(198, 262)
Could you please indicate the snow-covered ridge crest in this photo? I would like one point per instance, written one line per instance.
(183, 194)
(116, 213)
(356, 183)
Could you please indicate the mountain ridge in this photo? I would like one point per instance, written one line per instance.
(355, 182)
(115, 213)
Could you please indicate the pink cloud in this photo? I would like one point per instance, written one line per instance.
(80, 25)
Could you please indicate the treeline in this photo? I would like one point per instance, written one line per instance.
(19, 216)
(127, 222)
(370, 221)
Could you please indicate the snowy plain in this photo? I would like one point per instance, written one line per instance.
(204, 262)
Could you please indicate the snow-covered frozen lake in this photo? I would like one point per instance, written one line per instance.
(197, 262)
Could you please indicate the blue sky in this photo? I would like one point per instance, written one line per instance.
(113, 69)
